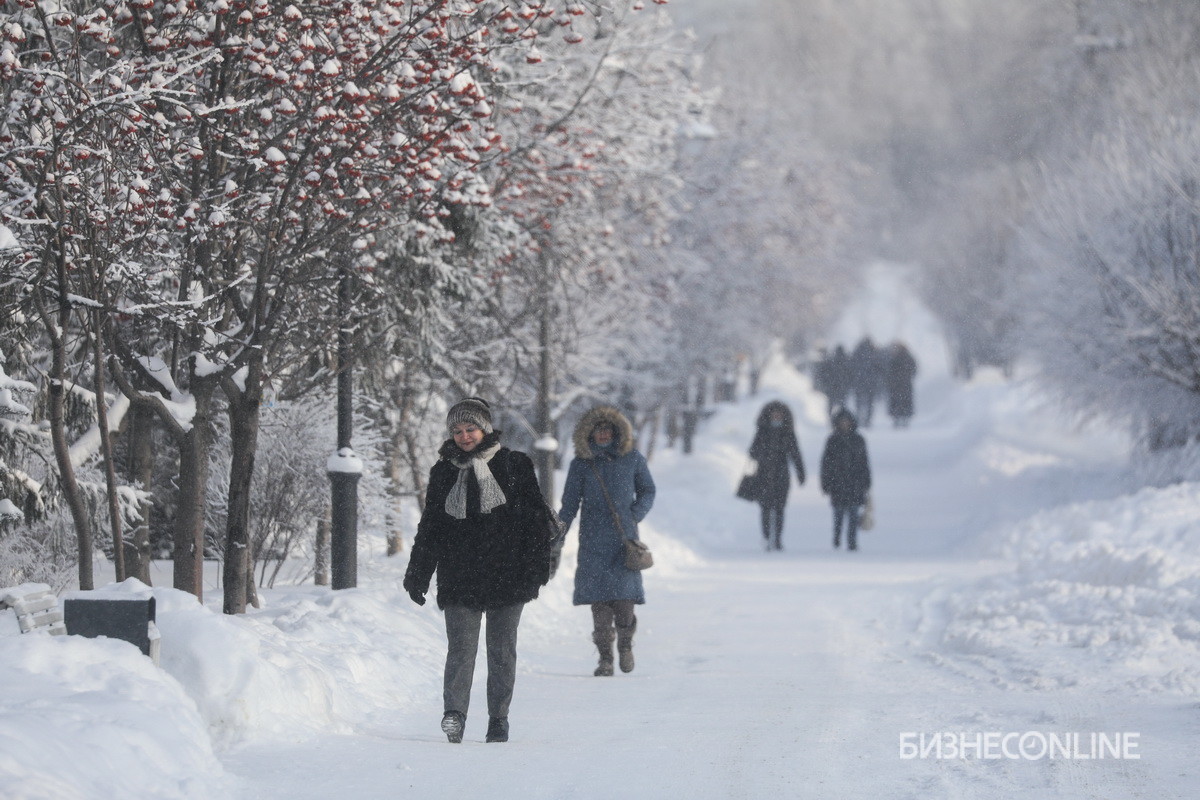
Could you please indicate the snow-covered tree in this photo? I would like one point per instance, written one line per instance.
(242, 153)
(588, 175)
(561, 266)
(761, 250)
(37, 536)
(1114, 316)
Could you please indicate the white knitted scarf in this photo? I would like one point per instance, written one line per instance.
(490, 493)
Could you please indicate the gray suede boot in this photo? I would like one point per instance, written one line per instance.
(604, 643)
(625, 645)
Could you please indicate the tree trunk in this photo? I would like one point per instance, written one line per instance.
(244, 409)
(56, 326)
(400, 398)
(544, 459)
(321, 559)
(139, 434)
(66, 470)
(395, 538)
(193, 439)
(194, 445)
(413, 449)
(652, 439)
(106, 452)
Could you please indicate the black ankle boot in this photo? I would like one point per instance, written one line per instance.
(497, 729)
(452, 725)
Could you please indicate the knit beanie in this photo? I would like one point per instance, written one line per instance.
(472, 410)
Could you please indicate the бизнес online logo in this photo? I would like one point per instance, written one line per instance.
(1021, 746)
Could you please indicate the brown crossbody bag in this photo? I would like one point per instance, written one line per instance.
(637, 555)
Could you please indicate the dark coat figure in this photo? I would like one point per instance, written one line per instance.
(774, 446)
(608, 480)
(489, 535)
(487, 560)
(901, 370)
(866, 378)
(845, 476)
(820, 372)
(837, 378)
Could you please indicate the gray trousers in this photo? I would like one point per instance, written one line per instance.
(462, 637)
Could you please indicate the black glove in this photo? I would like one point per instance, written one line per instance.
(417, 595)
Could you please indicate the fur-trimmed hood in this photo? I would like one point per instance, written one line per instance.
(842, 414)
(595, 417)
(764, 416)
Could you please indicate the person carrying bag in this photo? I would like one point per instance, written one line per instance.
(637, 554)
(610, 482)
(775, 453)
(846, 477)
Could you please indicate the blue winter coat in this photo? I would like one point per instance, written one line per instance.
(600, 574)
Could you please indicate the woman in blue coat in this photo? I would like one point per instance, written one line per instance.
(611, 483)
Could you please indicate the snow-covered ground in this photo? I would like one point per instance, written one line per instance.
(1015, 589)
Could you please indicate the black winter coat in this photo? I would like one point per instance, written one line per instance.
(902, 368)
(845, 471)
(486, 560)
(772, 449)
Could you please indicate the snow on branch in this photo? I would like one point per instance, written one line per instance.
(88, 444)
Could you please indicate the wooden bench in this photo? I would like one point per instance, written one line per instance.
(36, 608)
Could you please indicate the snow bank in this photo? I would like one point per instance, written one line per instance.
(313, 660)
(95, 718)
(1105, 595)
(83, 718)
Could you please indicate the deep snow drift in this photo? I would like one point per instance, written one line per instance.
(1015, 584)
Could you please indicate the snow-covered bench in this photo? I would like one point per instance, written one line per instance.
(119, 611)
(35, 608)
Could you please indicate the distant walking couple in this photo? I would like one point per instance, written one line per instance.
(845, 472)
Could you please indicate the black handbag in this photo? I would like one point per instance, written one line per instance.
(637, 554)
(748, 488)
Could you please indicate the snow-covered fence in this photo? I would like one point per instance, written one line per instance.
(35, 606)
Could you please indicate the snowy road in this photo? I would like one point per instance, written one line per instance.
(785, 677)
(756, 678)
(798, 674)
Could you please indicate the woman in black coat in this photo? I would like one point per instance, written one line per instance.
(845, 476)
(488, 533)
(901, 370)
(773, 447)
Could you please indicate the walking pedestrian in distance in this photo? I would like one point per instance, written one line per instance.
(866, 378)
(901, 370)
(837, 379)
(845, 476)
(774, 447)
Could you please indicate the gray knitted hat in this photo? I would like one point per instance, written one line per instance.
(474, 410)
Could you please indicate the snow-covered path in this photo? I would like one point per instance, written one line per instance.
(789, 674)
(756, 678)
